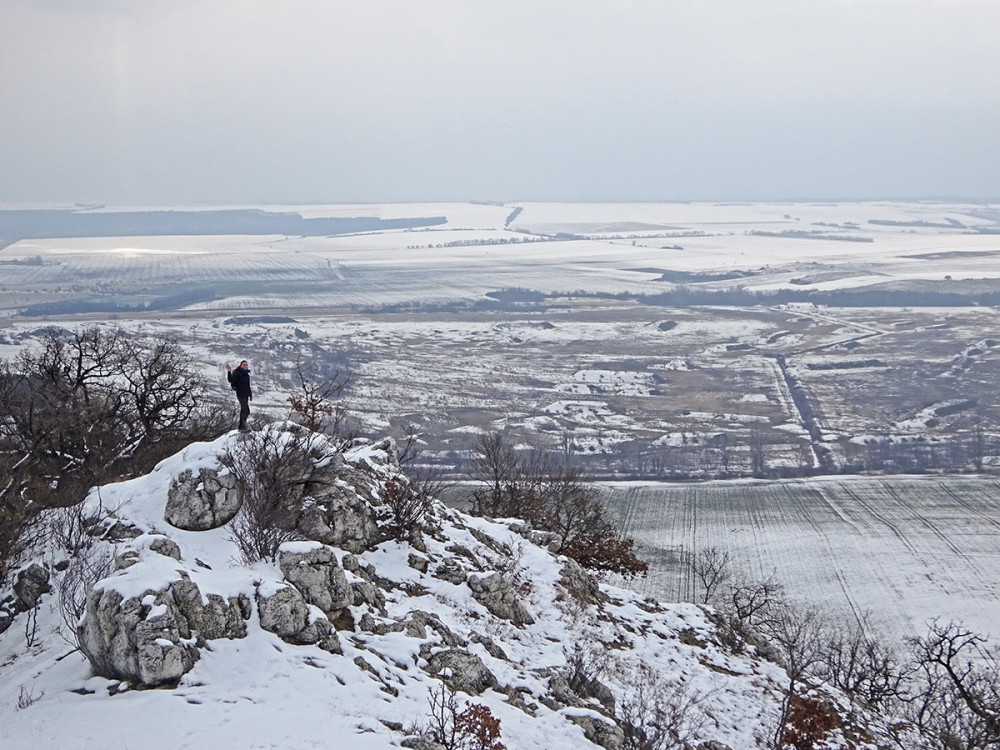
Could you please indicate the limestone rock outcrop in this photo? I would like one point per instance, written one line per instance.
(206, 501)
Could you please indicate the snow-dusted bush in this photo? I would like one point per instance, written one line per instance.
(552, 497)
(275, 468)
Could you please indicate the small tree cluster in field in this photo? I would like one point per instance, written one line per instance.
(85, 408)
(552, 497)
(469, 727)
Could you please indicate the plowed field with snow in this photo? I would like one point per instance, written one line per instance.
(905, 549)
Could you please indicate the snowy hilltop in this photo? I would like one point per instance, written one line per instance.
(169, 610)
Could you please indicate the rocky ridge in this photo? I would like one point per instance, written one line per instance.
(374, 625)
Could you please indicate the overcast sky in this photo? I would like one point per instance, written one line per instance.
(284, 101)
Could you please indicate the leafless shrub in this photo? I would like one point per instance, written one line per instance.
(511, 568)
(27, 698)
(864, 667)
(408, 506)
(810, 722)
(454, 727)
(955, 702)
(585, 666)
(87, 566)
(31, 626)
(751, 603)
(317, 406)
(656, 715)
(277, 468)
(408, 448)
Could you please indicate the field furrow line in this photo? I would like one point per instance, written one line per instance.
(834, 551)
(882, 520)
(935, 529)
(989, 518)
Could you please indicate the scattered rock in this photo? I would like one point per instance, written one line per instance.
(461, 671)
(500, 598)
(608, 736)
(418, 562)
(29, 586)
(165, 546)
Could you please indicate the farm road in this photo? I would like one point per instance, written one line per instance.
(906, 549)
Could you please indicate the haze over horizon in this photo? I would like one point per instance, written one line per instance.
(310, 101)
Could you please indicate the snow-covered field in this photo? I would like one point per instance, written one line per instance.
(907, 550)
(612, 248)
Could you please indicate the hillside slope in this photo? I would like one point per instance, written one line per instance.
(345, 640)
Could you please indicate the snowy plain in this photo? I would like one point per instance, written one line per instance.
(907, 549)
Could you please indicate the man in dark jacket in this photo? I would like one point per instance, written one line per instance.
(240, 381)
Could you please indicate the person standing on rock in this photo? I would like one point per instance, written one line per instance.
(239, 379)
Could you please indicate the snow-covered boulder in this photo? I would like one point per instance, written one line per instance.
(284, 611)
(312, 569)
(143, 639)
(462, 671)
(206, 501)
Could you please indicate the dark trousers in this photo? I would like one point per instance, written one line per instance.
(244, 410)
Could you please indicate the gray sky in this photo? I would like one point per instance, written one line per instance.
(230, 101)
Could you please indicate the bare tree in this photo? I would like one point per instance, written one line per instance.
(84, 408)
(957, 701)
(656, 715)
(712, 569)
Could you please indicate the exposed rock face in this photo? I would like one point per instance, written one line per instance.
(205, 502)
(317, 576)
(152, 639)
(581, 584)
(608, 736)
(31, 583)
(286, 613)
(165, 546)
(339, 517)
(462, 671)
(500, 598)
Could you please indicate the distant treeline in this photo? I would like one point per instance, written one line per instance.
(46, 223)
(684, 296)
(111, 305)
